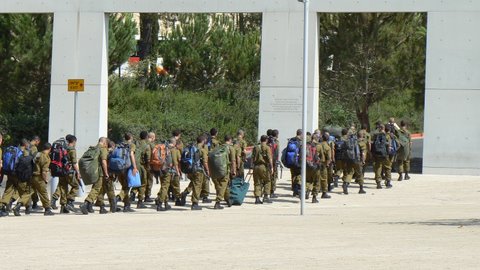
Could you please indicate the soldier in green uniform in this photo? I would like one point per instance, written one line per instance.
(368, 140)
(404, 152)
(108, 188)
(325, 153)
(243, 154)
(222, 184)
(297, 172)
(10, 193)
(347, 166)
(276, 162)
(143, 155)
(176, 177)
(358, 167)
(87, 206)
(148, 188)
(197, 177)
(38, 183)
(313, 169)
(262, 169)
(33, 148)
(73, 178)
(170, 169)
(381, 161)
(122, 177)
(1, 156)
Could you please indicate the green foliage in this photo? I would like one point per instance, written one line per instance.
(25, 60)
(225, 106)
(121, 41)
(206, 48)
(368, 57)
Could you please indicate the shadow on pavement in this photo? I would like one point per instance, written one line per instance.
(441, 222)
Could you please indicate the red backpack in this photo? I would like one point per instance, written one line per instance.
(312, 159)
(59, 165)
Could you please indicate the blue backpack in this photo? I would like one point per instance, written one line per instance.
(10, 159)
(394, 146)
(190, 160)
(119, 159)
(291, 154)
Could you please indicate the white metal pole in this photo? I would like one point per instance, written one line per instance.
(305, 97)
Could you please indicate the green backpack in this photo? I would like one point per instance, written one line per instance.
(218, 162)
(89, 165)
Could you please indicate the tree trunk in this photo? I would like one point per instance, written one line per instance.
(148, 35)
(363, 117)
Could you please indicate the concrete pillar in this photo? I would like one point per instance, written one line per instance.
(452, 96)
(282, 73)
(80, 43)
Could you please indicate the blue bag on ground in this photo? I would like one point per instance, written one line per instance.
(238, 190)
(133, 180)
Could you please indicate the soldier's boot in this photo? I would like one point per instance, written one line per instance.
(9, 205)
(48, 212)
(266, 199)
(16, 209)
(69, 206)
(400, 177)
(314, 199)
(335, 181)
(34, 205)
(407, 177)
(183, 200)
(361, 191)
(103, 210)
(90, 208)
(64, 210)
(141, 205)
(307, 195)
(258, 201)
(195, 206)
(273, 195)
(325, 195)
(118, 198)
(160, 207)
(28, 209)
(218, 206)
(3, 212)
(345, 188)
(132, 196)
(84, 207)
(128, 209)
(53, 204)
(167, 206)
(148, 199)
(229, 202)
(206, 200)
(379, 185)
(388, 184)
(296, 190)
(178, 202)
(330, 187)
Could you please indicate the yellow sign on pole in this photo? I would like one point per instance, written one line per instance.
(76, 85)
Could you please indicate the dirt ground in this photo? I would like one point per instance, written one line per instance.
(429, 222)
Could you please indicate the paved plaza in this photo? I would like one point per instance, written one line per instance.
(429, 222)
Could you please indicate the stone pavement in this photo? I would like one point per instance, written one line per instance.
(429, 222)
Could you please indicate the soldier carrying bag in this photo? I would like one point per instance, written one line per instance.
(89, 165)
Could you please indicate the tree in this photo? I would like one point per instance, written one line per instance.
(204, 49)
(149, 29)
(121, 39)
(25, 60)
(366, 57)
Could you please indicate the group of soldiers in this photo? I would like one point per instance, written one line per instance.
(27, 193)
(265, 163)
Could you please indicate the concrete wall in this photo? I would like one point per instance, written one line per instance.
(281, 83)
(452, 97)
